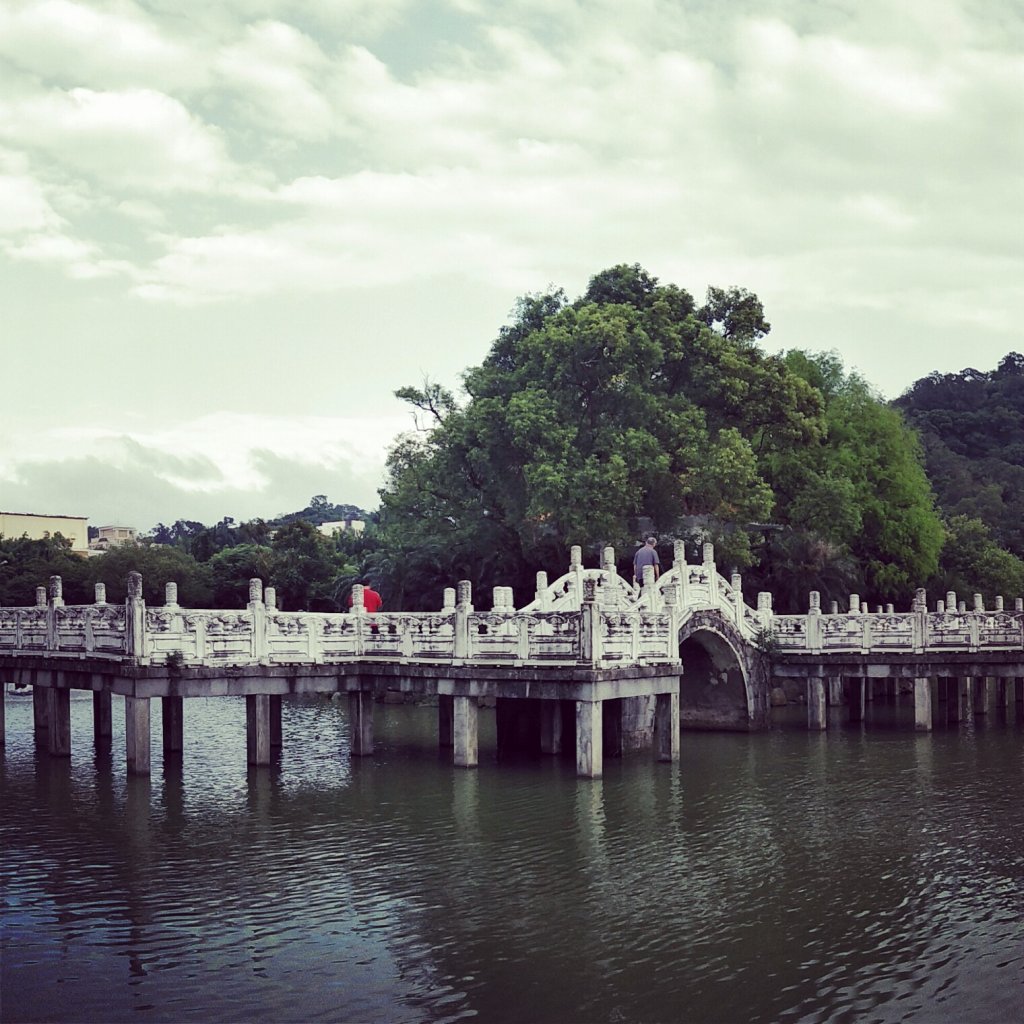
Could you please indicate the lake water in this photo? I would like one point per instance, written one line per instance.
(866, 874)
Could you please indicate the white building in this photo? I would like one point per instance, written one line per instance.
(341, 526)
(39, 527)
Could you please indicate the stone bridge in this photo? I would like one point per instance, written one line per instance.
(590, 660)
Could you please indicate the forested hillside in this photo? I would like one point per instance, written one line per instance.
(972, 428)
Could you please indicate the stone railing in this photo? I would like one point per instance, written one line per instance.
(261, 634)
(586, 617)
(949, 628)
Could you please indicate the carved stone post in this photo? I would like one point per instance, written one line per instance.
(463, 610)
(590, 625)
(40, 597)
(135, 638)
(542, 597)
(258, 610)
(270, 599)
(814, 637)
(448, 600)
(764, 609)
(55, 600)
(737, 592)
(100, 593)
(170, 595)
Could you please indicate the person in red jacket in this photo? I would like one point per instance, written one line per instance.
(372, 601)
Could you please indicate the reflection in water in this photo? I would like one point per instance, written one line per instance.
(864, 873)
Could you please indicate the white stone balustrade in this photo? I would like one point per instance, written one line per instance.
(587, 616)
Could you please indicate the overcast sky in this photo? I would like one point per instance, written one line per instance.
(229, 230)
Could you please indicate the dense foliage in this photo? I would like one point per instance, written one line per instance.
(972, 429)
(633, 409)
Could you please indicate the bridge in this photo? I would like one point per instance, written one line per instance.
(590, 661)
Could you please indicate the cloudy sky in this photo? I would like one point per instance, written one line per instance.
(228, 231)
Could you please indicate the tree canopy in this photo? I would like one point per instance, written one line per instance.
(632, 408)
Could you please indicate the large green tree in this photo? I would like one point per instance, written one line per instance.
(588, 419)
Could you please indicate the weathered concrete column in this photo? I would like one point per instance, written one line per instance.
(466, 732)
(136, 734)
(102, 718)
(817, 714)
(550, 726)
(360, 722)
(856, 698)
(276, 735)
(589, 747)
(257, 728)
(611, 725)
(40, 722)
(923, 705)
(666, 726)
(954, 705)
(173, 710)
(982, 694)
(835, 691)
(58, 714)
(445, 720)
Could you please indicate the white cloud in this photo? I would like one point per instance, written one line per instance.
(137, 138)
(83, 44)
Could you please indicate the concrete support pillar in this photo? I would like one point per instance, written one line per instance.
(257, 728)
(445, 721)
(954, 705)
(817, 715)
(102, 718)
(589, 748)
(869, 691)
(1018, 687)
(40, 721)
(173, 709)
(666, 726)
(835, 691)
(465, 727)
(856, 698)
(276, 736)
(982, 692)
(136, 734)
(360, 723)
(3, 713)
(611, 727)
(922, 705)
(550, 726)
(58, 714)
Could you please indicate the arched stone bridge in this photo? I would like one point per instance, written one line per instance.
(633, 663)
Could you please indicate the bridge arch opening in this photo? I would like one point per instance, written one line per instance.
(714, 691)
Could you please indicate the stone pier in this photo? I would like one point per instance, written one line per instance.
(136, 734)
(817, 708)
(257, 728)
(173, 712)
(102, 718)
(58, 716)
(923, 705)
(589, 739)
(466, 730)
(666, 726)
(360, 722)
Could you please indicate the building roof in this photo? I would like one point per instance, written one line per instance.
(43, 515)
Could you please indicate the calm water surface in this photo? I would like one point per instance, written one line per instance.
(869, 874)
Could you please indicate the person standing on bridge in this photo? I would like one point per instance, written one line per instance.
(646, 555)
(372, 601)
